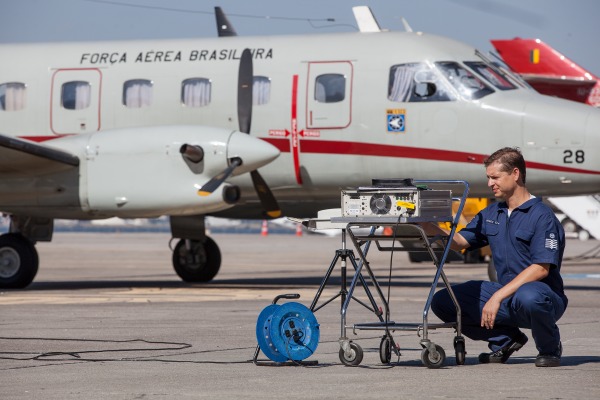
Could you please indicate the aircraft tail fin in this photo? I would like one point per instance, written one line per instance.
(532, 56)
(224, 27)
(548, 71)
(365, 19)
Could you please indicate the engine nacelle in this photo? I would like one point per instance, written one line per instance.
(141, 172)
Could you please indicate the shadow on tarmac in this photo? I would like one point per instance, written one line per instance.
(249, 283)
(565, 361)
(411, 281)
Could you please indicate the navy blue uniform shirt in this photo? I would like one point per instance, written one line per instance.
(530, 235)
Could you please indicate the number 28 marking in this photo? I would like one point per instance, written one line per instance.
(571, 156)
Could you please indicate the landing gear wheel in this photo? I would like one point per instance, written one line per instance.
(355, 357)
(459, 349)
(198, 262)
(431, 360)
(385, 349)
(18, 261)
(569, 226)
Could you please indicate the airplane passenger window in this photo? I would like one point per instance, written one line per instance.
(468, 85)
(12, 96)
(417, 82)
(137, 93)
(261, 90)
(492, 75)
(195, 92)
(76, 95)
(330, 88)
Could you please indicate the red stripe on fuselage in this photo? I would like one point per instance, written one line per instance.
(294, 137)
(40, 139)
(382, 150)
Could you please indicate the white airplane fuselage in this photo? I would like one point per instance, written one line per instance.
(142, 129)
(324, 146)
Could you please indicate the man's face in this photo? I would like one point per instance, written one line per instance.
(502, 183)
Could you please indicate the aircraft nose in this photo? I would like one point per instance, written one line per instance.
(254, 152)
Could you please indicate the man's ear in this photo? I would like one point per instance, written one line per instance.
(516, 173)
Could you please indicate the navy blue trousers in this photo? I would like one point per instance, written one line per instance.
(533, 306)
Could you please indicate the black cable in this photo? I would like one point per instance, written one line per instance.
(76, 355)
(188, 11)
(387, 314)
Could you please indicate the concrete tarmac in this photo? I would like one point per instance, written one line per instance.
(107, 318)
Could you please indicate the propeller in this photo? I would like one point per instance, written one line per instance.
(244, 106)
(244, 109)
(218, 179)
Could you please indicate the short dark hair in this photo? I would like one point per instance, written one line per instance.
(509, 158)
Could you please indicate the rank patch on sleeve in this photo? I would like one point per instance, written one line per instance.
(551, 241)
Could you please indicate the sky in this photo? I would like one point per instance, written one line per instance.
(570, 26)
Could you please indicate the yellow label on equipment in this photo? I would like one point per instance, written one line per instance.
(405, 204)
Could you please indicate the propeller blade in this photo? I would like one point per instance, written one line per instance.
(245, 82)
(245, 86)
(218, 179)
(265, 195)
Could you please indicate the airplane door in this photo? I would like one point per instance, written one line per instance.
(75, 101)
(329, 95)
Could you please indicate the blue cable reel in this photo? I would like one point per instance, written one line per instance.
(287, 332)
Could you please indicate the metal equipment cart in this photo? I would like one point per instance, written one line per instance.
(405, 228)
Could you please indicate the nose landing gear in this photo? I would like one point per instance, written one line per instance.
(196, 261)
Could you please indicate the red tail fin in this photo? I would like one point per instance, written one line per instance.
(548, 71)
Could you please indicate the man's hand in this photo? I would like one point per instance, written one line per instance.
(489, 312)
(534, 272)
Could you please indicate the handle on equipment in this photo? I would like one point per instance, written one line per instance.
(289, 296)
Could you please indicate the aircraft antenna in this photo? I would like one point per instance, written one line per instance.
(407, 27)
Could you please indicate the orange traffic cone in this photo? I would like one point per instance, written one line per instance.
(264, 230)
(298, 230)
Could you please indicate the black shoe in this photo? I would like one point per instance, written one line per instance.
(549, 360)
(500, 356)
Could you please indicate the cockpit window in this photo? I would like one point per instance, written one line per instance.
(491, 74)
(417, 82)
(468, 85)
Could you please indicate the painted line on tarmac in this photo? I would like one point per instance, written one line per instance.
(149, 295)
(581, 276)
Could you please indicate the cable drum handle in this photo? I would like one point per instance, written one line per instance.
(289, 296)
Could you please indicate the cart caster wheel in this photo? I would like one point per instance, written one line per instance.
(459, 348)
(356, 355)
(385, 350)
(431, 360)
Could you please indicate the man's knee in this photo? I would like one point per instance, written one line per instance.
(531, 299)
(439, 305)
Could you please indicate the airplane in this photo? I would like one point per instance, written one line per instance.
(548, 71)
(553, 74)
(180, 128)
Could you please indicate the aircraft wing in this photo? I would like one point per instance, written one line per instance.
(24, 158)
